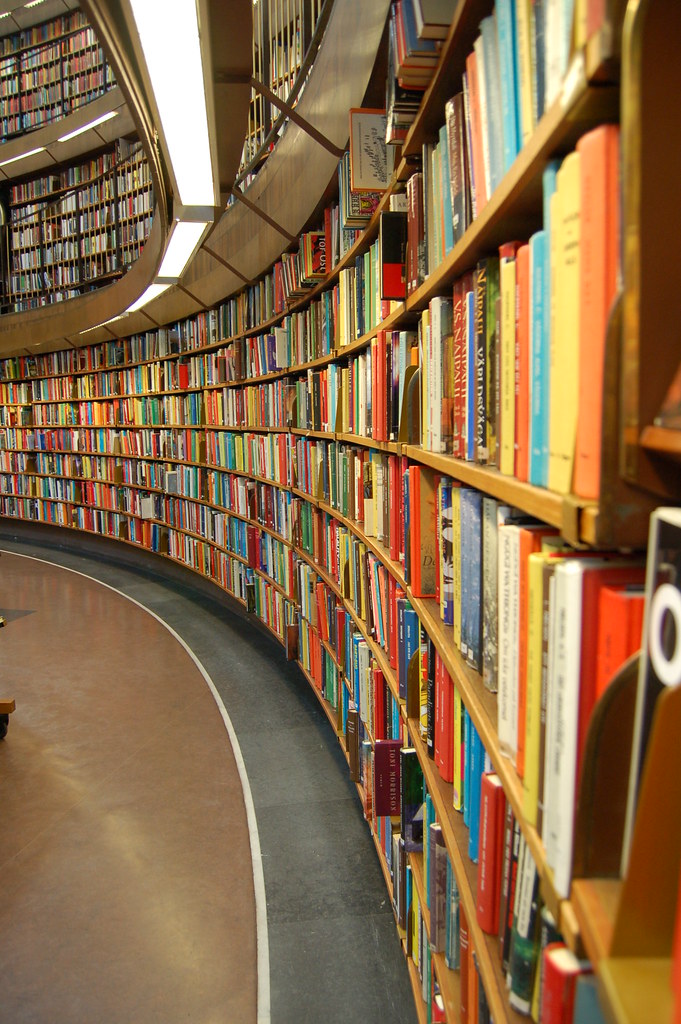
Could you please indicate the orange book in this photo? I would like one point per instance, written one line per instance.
(464, 953)
(620, 628)
(476, 133)
(522, 380)
(422, 531)
(595, 578)
(599, 272)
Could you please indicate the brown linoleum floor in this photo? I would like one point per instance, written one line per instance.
(333, 952)
(125, 868)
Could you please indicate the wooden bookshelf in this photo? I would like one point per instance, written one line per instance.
(122, 399)
(77, 229)
(49, 72)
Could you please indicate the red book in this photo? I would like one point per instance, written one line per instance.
(477, 155)
(560, 972)
(620, 627)
(327, 238)
(395, 593)
(599, 263)
(252, 542)
(491, 855)
(387, 778)
(594, 578)
(522, 379)
(322, 621)
(459, 360)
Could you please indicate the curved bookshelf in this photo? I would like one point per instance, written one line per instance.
(318, 553)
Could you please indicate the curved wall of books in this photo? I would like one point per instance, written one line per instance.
(384, 480)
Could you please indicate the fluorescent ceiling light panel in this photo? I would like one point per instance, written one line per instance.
(90, 124)
(152, 292)
(22, 156)
(172, 50)
(33, 3)
(183, 241)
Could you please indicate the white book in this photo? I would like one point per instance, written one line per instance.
(508, 540)
(550, 739)
(563, 706)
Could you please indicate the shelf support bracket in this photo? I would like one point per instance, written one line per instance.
(229, 266)
(261, 213)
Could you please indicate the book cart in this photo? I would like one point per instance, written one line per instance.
(177, 440)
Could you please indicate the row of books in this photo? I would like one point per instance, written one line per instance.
(74, 21)
(502, 382)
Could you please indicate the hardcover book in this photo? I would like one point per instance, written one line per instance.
(392, 254)
(412, 809)
(490, 863)
(387, 778)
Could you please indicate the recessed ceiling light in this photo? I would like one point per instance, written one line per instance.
(86, 127)
(22, 156)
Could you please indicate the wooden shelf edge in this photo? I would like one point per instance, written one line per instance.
(595, 902)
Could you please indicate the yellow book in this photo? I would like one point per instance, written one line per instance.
(524, 37)
(551, 548)
(564, 400)
(533, 693)
(423, 687)
(507, 278)
(415, 924)
(341, 320)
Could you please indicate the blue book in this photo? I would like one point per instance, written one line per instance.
(548, 188)
(540, 363)
(587, 1003)
(467, 726)
(447, 212)
(464, 581)
(429, 819)
(402, 605)
(412, 631)
(413, 42)
(470, 376)
(452, 948)
(396, 719)
(508, 68)
(490, 47)
(471, 577)
(412, 805)
(447, 551)
(477, 759)
(538, 42)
